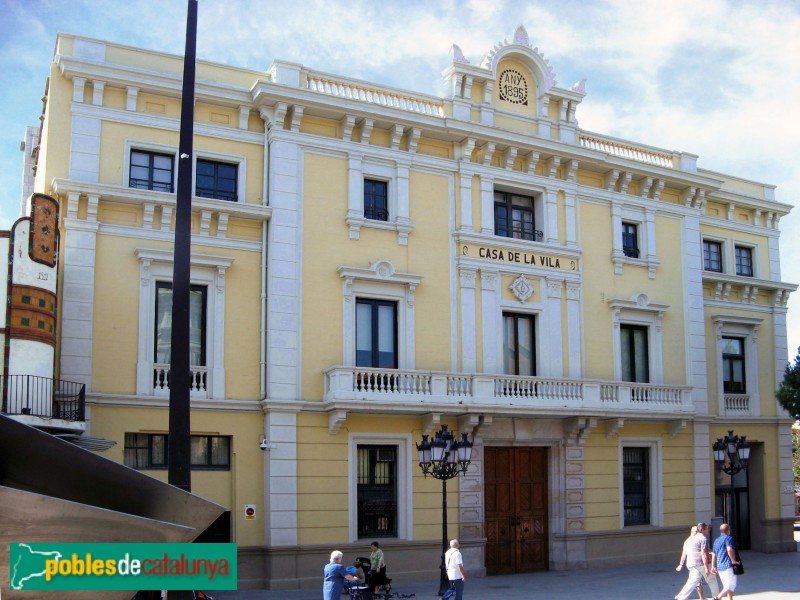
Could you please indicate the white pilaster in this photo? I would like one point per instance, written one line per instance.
(84, 155)
(696, 367)
(468, 337)
(553, 331)
(774, 259)
(702, 471)
(403, 202)
(355, 194)
(490, 321)
(284, 272)
(466, 202)
(570, 216)
(551, 216)
(130, 98)
(487, 205)
(78, 85)
(280, 526)
(650, 235)
(77, 310)
(574, 329)
(97, 92)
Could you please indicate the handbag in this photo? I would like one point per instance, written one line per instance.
(450, 592)
(738, 569)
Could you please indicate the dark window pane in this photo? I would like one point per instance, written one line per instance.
(744, 261)
(630, 242)
(197, 324)
(375, 200)
(733, 366)
(519, 344)
(150, 171)
(216, 180)
(514, 217)
(712, 256)
(198, 450)
(376, 484)
(376, 333)
(636, 485)
(634, 353)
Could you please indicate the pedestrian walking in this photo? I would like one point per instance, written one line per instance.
(725, 551)
(682, 561)
(455, 571)
(696, 561)
(334, 575)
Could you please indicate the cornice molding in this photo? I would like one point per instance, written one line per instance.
(137, 197)
(116, 115)
(148, 81)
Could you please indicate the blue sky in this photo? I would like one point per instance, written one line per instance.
(718, 78)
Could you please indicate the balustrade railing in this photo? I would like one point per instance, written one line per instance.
(43, 397)
(197, 383)
(737, 404)
(361, 93)
(661, 159)
(360, 383)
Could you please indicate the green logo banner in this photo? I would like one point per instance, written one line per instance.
(122, 566)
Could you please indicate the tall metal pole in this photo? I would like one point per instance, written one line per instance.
(444, 580)
(734, 516)
(179, 373)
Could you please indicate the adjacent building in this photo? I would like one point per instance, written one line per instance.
(370, 263)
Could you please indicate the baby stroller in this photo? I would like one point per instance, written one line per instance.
(355, 589)
(376, 580)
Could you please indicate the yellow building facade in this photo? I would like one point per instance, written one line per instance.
(369, 264)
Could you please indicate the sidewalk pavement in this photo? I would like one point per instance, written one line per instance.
(766, 577)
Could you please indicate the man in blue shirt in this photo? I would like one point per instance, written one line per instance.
(725, 551)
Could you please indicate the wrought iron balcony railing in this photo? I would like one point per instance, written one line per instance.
(486, 389)
(43, 397)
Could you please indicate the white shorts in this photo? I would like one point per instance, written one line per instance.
(728, 579)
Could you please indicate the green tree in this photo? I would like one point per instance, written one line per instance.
(796, 457)
(788, 393)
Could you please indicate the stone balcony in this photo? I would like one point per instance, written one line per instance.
(355, 387)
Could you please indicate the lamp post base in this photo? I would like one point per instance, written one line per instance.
(444, 581)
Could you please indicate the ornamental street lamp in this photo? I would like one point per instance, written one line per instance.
(443, 457)
(737, 451)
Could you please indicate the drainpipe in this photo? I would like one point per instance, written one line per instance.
(265, 202)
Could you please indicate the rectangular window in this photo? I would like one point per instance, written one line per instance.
(634, 356)
(377, 491)
(216, 180)
(197, 324)
(636, 485)
(630, 241)
(376, 333)
(744, 261)
(210, 451)
(151, 171)
(151, 451)
(145, 451)
(712, 256)
(519, 344)
(514, 217)
(733, 378)
(376, 200)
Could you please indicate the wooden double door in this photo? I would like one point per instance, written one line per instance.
(515, 501)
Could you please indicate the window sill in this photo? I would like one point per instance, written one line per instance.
(620, 259)
(402, 226)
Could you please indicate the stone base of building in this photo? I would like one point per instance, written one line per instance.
(774, 535)
(300, 567)
(630, 547)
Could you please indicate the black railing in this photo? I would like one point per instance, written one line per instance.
(43, 397)
(149, 184)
